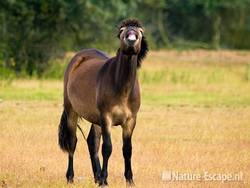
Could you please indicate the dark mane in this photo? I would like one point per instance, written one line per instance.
(143, 52)
(130, 22)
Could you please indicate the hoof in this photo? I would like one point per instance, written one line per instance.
(97, 180)
(71, 181)
(130, 183)
(103, 183)
(103, 186)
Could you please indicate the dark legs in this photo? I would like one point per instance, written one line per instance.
(127, 150)
(71, 144)
(106, 149)
(127, 131)
(127, 153)
(93, 145)
(68, 140)
(70, 171)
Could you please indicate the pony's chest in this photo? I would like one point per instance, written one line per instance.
(120, 114)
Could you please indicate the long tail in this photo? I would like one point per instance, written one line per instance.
(63, 133)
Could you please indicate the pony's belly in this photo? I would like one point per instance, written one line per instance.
(85, 109)
(91, 116)
(84, 104)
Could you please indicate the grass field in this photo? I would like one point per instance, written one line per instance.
(195, 117)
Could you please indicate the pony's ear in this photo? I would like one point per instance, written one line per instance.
(143, 52)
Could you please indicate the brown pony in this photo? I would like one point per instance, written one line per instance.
(104, 91)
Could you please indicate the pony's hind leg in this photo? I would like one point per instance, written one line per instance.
(68, 139)
(93, 145)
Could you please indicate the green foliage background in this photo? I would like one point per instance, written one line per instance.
(32, 32)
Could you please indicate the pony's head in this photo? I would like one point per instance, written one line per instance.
(133, 41)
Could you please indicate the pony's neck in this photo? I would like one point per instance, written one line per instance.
(125, 67)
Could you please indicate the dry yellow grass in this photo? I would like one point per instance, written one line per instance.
(168, 137)
(183, 139)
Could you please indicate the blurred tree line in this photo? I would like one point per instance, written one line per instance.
(32, 31)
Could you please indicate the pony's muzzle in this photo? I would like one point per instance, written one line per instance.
(131, 37)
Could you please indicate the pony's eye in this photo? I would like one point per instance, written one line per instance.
(121, 30)
(141, 30)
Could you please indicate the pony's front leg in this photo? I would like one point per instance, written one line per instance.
(127, 131)
(106, 147)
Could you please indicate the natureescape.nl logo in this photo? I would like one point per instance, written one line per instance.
(204, 176)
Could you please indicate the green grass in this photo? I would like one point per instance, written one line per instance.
(11, 93)
(205, 79)
(203, 86)
(195, 98)
(26, 90)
